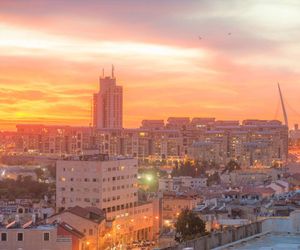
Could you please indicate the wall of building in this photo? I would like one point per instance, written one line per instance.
(90, 229)
(109, 185)
(33, 239)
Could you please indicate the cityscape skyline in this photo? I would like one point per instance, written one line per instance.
(146, 125)
(94, 113)
(207, 63)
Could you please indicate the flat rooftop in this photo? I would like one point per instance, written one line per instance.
(271, 241)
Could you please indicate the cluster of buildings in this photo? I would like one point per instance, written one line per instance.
(97, 207)
(250, 142)
(249, 196)
(109, 186)
(97, 199)
(254, 142)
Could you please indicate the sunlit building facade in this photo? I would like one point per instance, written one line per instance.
(250, 143)
(108, 104)
(109, 184)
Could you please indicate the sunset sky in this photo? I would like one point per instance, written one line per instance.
(53, 51)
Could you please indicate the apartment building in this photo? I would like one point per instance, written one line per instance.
(108, 184)
(49, 139)
(176, 183)
(252, 142)
(99, 181)
(108, 103)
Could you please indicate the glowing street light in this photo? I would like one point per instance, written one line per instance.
(149, 177)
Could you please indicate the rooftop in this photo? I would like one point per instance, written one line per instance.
(90, 213)
(271, 241)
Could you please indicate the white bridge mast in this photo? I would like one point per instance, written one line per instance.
(283, 107)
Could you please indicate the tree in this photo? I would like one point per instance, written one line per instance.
(232, 165)
(213, 179)
(185, 168)
(52, 171)
(189, 226)
(39, 173)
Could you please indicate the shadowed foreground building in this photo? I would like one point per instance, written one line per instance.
(29, 236)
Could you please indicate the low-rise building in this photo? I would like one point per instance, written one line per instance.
(175, 183)
(29, 236)
(90, 221)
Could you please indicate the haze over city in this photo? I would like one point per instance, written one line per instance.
(149, 125)
(173, 58)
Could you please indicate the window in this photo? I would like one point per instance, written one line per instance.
(91, 232)
(46, 236)
(20, 237)
(3, 236)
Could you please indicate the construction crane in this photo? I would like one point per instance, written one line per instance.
(283, 107)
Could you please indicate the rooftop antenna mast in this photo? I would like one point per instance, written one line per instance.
(283, 107)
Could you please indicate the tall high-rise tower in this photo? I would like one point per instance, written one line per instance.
(108, 103)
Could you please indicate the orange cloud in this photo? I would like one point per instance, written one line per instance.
(52, 54)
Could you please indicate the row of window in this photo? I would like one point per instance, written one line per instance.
(117, 187)
(96, 190)
(114, 198)
(118, 197)
(119, 207)
(20, 236)
(85, 179)
(116, 168)
(94, 200)
(122, 177)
